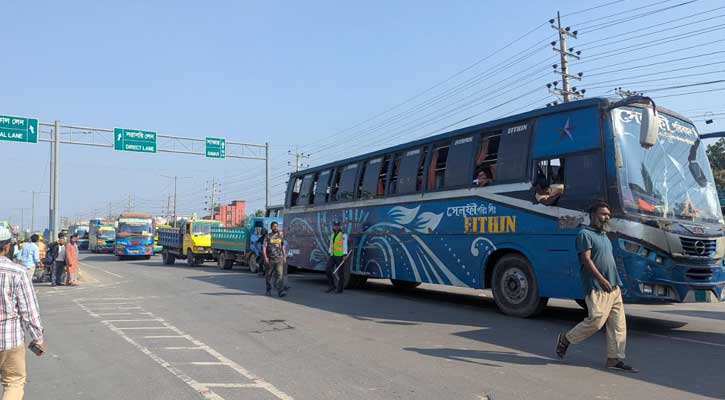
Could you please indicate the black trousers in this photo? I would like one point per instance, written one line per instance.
(336, 281)
(58, 272)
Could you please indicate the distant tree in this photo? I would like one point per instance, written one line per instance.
(716, 155)
(259, 213)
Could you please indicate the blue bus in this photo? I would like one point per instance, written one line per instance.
(460, 208)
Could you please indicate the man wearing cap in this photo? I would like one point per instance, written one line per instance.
(338, 250)
(18, 309)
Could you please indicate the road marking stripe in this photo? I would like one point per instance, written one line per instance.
(100, 269)
(113, 308)
(164, 336)
(684, 339)
(142, 328)
(181, 348)
(112, 313)
(201, 388)
(202, 363)
(132, 320)
(231, 385)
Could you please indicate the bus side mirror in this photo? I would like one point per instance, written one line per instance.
(649, 128)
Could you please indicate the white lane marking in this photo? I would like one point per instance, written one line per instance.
(164, 336)
(101, 269)
(105, 299)
(113, 308)
(135, 328)
(684, 339)
(111, 313)
(182, 348)
(202, 363)
(231, 385)
(202, 388)
(133, 320)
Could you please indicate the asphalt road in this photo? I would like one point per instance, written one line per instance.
(142, 330)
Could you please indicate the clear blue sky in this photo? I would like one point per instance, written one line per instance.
(296, 74)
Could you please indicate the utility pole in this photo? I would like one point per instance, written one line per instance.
(129, 207)
(110, 211)
(54, 202)
(168, 208)
(32, 209)
(299, 158)
(175, 178)
(566, 92)
(212, 198)
(266, 174)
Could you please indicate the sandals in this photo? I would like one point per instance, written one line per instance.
(622, 367)
(562, 345)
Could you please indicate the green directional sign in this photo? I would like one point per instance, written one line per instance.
(18, 129)
(134, 140)
(216, 147)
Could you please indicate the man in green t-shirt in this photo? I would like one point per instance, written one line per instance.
(602, 292)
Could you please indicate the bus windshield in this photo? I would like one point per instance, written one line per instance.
(672, 179)
(107, 234)
(125, 229)
(203, 228)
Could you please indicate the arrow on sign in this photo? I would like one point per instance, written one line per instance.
(31, 129)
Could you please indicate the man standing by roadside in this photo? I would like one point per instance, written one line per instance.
(71, 261)
(30, 256)
(337, 250)
(275, 256)
(18, 309)
(603, 296)
(58, 255)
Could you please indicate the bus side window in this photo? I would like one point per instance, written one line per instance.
(322, 190)
(305, 194)
(383, 177)
(460, 162)
(335, 184)
(548, 182)
(348, 183)
(393, 184)
(408, 171)
(485, 172)
(421, 170)
(582, 189)
(295, 187)
(437, 168)
(369, 179)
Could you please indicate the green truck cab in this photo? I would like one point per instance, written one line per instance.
(191, 241)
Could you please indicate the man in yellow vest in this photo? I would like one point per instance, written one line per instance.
(337, 251)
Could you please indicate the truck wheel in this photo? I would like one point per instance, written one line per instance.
(252, 262)
(146, 257)
(190, 260)
(515, 289)
(225, 261)
(399, 284)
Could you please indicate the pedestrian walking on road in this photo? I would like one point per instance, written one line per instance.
(275, 257)
(57, 255)
(603, 295)
(30, 256)
(18, 312)
(71, 261)
(335, 269)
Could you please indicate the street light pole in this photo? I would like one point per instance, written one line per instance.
(175, 178)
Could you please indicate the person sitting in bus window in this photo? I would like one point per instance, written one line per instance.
(483, 178)
(546, 193)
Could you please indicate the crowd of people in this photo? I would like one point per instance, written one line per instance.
(56, 262)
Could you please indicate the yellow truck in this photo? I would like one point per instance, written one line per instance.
(191, 241)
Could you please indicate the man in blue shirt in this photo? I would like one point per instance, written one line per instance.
(602, 293)
(30, 256)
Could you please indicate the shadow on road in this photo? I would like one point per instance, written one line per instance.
(531, 341)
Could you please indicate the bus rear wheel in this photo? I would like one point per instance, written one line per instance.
(515, 290)
(404, 284)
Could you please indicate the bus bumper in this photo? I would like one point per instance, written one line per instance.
(134, 251)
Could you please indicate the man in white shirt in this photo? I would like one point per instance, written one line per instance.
(30, 256)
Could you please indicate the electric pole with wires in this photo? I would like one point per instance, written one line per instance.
(567, 92)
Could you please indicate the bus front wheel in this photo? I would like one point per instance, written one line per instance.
(515, 290)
